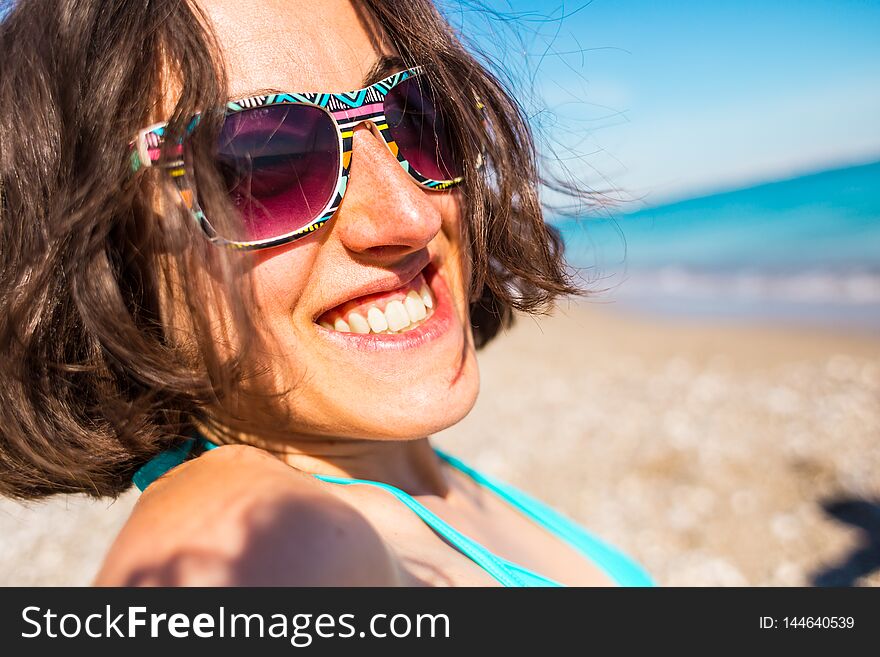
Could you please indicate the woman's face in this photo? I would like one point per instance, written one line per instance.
(390, 238)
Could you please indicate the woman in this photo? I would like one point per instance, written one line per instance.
(260, 315)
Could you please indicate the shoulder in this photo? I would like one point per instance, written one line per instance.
(237, 516)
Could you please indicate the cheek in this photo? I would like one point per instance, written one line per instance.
(281, 276)
(450, 207)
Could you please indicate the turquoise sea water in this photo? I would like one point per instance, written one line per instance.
(805, 250)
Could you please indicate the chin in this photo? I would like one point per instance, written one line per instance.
(404, 410)
(420, 411)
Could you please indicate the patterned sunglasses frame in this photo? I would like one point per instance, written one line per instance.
(347, 110)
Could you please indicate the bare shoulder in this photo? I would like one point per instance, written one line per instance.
(237, 516)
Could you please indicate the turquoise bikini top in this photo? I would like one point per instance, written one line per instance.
(618, 567)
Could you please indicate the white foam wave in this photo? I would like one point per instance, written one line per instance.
(809, 287)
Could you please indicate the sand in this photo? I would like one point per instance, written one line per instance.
(714, 455)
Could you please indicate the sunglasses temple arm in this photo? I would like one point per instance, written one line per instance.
(144, 149)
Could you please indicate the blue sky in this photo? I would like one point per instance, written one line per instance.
(672, 99)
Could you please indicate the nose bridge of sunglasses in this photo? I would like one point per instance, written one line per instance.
(369, 124)
(378, 127)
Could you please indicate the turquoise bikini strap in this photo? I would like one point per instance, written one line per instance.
(171, 458)
(625, 571)
(471, 549)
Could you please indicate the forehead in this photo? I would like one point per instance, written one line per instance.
(294, 45)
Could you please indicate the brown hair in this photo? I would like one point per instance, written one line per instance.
(93, 383)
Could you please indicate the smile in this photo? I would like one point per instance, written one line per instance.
(403, 318)
(396, 311)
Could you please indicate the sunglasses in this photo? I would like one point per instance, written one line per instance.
(285, 158)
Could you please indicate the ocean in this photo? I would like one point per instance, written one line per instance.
(802, 251)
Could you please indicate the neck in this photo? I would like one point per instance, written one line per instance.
(411, 465)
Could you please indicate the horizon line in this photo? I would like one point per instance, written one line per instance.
(706, 192)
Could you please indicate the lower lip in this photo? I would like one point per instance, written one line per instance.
(438, 324)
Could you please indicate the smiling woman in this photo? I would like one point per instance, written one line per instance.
(249, 250)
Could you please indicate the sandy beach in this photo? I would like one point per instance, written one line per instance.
(714, 455)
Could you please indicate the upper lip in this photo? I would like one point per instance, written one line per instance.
(397, 277)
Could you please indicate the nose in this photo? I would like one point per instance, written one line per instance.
(385, 215)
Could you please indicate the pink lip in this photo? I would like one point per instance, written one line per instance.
(438, 324)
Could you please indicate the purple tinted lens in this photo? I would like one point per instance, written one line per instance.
(419, 128)
(280, 165)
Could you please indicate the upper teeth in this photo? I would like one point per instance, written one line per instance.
(397, 316)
